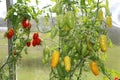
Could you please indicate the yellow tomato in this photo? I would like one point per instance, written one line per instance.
(55, 59)
(109, 21)
(103, 43)
(100, 15)
(67, 63)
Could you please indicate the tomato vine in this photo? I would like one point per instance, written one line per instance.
(19, 15)
(80, 25)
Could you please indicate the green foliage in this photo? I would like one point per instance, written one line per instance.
(79, 36)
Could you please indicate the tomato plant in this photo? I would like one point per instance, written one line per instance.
(83, 37)
(80, 36)
(20, 15)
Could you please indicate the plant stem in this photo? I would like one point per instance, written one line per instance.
(81, 66)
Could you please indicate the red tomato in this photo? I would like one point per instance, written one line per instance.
(25, 23)
(34, 43)
(10, 33)
(28, 44)
(35, 35)
(38, 41)
(116, 78)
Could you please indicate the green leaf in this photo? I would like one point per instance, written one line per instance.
(54, 0)
(19, 1)
(36, 2)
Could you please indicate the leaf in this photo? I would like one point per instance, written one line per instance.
(105, 78)
(82, 3)
(54, 0)
(36, 2)
(19, 1)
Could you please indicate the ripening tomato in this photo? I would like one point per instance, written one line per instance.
(94, 68)
(55, 59)
(67, 63)
(25, 23)
(28, 44)
(103, 43)
(100, 15)
(35, 35)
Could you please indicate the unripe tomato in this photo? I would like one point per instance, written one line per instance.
(28, 44)
(100, 15)
(103, 43)
(55, 59)
(67, 28)
(94, 68)
(46, 55)
(67, 63)
(109, 21)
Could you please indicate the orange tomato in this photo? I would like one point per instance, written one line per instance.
(94, 68)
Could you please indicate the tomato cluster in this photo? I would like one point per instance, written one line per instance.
(36, 40)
